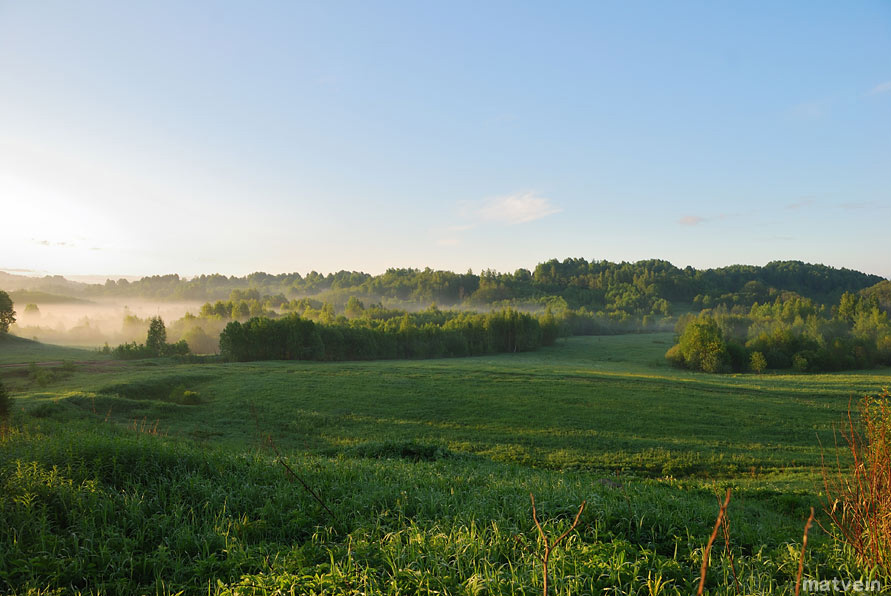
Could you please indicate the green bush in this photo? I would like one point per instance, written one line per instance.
(39, 375)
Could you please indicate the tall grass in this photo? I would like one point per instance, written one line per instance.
(859, 496)
(93, 508)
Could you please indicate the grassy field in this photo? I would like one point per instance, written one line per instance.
(426, 467)
(18, 350)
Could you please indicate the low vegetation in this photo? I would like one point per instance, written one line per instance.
(155, 345)
(155, 477)
(859, 494)
(793, 333)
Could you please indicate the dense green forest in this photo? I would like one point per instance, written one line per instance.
(785, 313)
(787, 333)
(653, 287)
(430, 334)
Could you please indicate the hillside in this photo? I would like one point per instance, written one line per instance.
(643, 287)
(23, 297)
(18, 350)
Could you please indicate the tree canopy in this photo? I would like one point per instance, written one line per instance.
(7, 313)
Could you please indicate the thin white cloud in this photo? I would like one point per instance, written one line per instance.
(514, 209)
(691, 220)
(881, 88)
(509, 210)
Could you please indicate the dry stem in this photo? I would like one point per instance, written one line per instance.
(711, 541)
(550, 546)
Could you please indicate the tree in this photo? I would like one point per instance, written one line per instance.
(156, 340)
(7, 313)
(757, 362)
(702, 346)
(847, 307)
(354, 308)
(240, 311)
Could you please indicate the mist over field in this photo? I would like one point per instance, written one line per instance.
(95, 323)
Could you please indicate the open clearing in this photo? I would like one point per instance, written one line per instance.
(608, 403)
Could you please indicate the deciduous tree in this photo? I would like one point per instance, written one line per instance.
(7, 313)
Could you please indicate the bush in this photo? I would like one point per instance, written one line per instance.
(859, 502)
(674, 356)
(757, 362)
(135, 351)
(702, 346)
(181, 395)
(40, 375)
(191, 398)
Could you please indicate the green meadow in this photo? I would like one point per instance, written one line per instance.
(18, 350)
(158, 477)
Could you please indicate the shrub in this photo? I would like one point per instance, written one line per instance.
(858, 500)
(757, 362)
(39, 375)
(191, 397)
(674, 356)
(702, 346)
(181, 395)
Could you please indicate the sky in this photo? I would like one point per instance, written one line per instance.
(141, 138)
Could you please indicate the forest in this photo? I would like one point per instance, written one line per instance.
(786, 314)
(792, 333)
(431, 334)
(654, 287)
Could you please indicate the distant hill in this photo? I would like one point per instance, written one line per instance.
(22, 297)
(653, 287)
(55, 284)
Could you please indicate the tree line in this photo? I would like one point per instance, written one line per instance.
(788, 333)
(616, 290)
(420, 335)
(155, 344)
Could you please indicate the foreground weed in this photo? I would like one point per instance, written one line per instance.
(721, 512)
(807, 526)
(859, 497)
(550, 546)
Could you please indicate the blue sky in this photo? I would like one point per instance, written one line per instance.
(156, 137)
